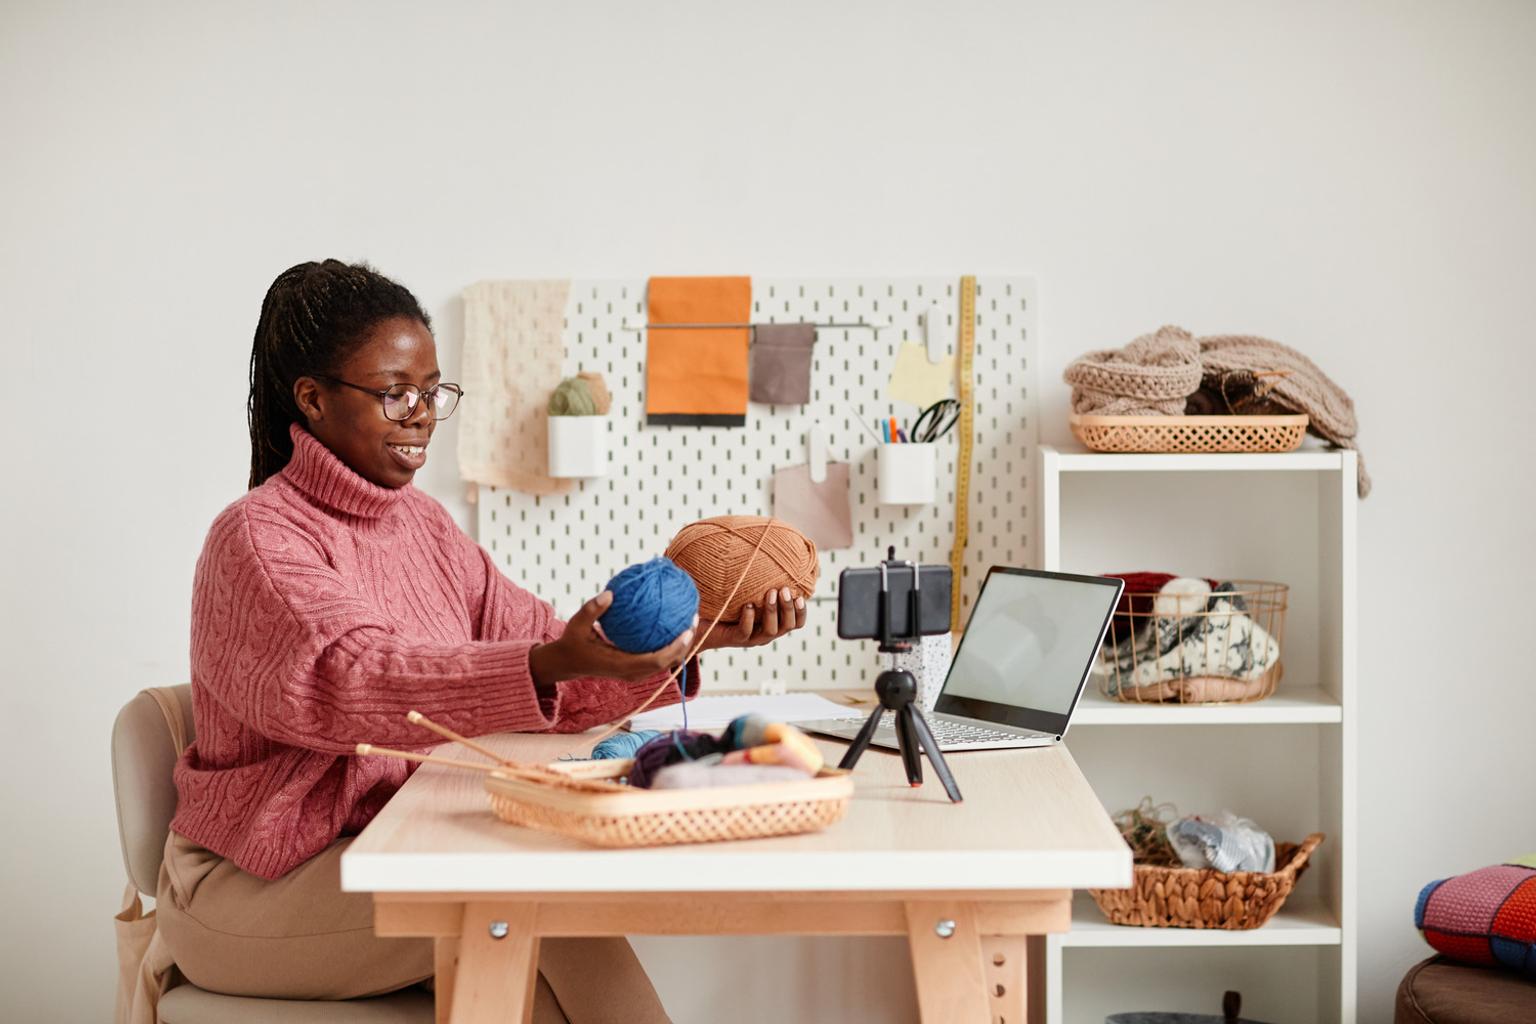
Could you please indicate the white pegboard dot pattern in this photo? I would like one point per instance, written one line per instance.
(565, 547)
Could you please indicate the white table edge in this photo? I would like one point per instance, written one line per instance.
(700, 869)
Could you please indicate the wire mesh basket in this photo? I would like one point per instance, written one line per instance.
(1218, 646)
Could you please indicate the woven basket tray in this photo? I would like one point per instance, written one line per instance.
(1205, 897)
(1189, 433)
(604, 813)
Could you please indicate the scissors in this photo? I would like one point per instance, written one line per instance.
(935, 421)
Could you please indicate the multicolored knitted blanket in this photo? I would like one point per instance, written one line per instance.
(1485, 917)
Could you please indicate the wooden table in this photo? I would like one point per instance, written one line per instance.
(975, 886)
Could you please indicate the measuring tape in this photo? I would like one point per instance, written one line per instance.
(967, 428)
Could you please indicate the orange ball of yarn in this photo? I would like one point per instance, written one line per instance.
(716, 551)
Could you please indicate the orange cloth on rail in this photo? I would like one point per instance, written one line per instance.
(698, 377)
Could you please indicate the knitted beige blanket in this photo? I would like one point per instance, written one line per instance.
(1158, 373)
(514, 349)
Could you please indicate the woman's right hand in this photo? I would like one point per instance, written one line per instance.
(582, 650)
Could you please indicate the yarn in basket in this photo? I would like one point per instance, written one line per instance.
(716, 551)
(653, 603)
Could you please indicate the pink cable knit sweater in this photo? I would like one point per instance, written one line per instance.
(324, 608)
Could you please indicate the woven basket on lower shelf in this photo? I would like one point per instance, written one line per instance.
(1204, 897)
(1189, 433)
(597, 809)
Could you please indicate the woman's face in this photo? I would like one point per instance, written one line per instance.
(352, 423)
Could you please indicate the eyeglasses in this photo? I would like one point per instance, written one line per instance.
(400, 400)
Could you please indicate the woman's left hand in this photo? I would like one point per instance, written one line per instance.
(779, 612)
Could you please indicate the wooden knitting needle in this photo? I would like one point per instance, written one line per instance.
(514, 770)
(369, 750)
(417, 718)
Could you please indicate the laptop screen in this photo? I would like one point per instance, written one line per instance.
(1027, 649)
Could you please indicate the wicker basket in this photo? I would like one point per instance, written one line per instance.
(1194, 649)
(598, 810)
(1204, 897)
(1190, 433)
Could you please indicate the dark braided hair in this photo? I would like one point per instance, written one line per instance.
(313, 316)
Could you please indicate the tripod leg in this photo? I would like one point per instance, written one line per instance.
(861, 741)
(935, 755)
(906, 739)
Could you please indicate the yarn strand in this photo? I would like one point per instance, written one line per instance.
(698, 643)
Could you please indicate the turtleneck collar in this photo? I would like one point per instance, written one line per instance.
(317, 472)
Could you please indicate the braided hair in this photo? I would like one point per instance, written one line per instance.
(312, 317)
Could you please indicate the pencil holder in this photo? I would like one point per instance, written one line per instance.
(906, 473)
(578, 446)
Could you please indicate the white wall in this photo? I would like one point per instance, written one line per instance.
(1355, 180)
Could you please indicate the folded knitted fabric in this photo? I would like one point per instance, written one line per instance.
(1225, 642)
(1152, 375)
(1487, 916)
(1161, 373)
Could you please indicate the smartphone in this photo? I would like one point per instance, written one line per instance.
(858, 601)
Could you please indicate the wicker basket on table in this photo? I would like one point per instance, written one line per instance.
(594, 807)
(1189, 433)
(1221, 647)
(1178, 897)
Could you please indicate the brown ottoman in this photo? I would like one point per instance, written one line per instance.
(1441, 991)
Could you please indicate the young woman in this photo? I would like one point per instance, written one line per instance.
(329, 600)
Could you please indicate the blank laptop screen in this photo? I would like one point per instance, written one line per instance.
(1030, 641)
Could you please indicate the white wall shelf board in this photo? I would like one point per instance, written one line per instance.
(1288, 706)
(1070, 460)
(1293, 925)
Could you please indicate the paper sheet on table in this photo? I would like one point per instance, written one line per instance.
(919, 381)
(716, 712)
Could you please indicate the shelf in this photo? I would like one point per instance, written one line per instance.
(1084, 461)
(1292, 925)
(1288, 706)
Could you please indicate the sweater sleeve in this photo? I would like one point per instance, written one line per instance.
(504, 611)
(287, 646)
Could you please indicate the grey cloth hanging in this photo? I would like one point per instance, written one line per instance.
(781, 363)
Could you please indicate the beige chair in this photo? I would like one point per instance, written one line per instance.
(145, 745)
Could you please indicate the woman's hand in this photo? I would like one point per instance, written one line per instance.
(781, 612)
(582, 650)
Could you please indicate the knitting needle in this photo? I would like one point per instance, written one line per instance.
(417, 718)
(369, 750)
(532, 772)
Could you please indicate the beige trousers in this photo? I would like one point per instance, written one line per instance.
(301, 937)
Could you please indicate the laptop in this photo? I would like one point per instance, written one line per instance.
(1021, 665)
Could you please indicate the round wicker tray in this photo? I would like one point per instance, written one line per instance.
(1189, 433)
(600, 811)
(1204, 897)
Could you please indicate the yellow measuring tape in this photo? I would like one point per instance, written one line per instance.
(967, 428)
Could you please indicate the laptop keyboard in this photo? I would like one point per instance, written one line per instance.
(946, 731)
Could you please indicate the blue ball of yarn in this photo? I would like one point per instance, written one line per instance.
(623, 744)
(653, 602)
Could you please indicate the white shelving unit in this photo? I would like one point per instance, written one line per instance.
(1288, 761)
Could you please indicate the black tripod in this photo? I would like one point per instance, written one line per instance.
(897, 689)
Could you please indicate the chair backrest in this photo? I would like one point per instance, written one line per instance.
(149, 735)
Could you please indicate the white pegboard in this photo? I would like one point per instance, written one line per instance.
(566, 547)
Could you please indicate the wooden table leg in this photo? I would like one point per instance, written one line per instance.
(1005, 961)
(498, 964)
(445, 967)
(946, 961)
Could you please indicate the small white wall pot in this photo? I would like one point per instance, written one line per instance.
(578, 446)
(907, 473)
